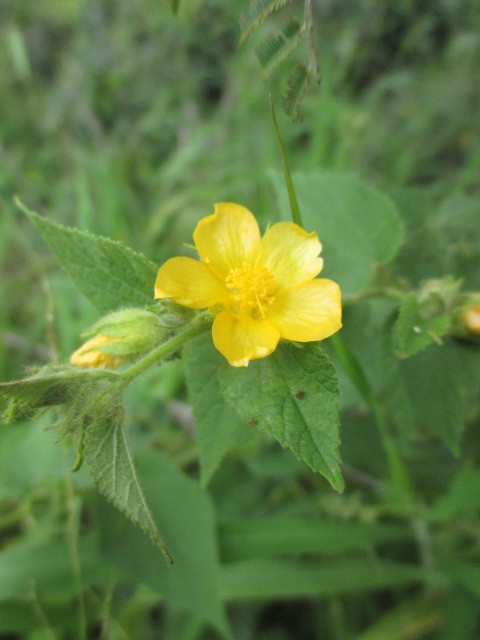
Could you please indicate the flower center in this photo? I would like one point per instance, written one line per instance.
(252, 289)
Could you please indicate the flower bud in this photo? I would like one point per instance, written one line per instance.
(472, 320)
(436, 296)
(118, 337)
(466, 316)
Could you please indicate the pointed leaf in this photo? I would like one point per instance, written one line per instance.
(293, 395)
(111, 465)
(108, 273)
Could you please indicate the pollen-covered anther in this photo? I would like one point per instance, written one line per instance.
(252, 288)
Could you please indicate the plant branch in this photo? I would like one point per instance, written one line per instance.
(197, 326)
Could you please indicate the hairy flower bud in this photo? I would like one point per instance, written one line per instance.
(119, 336)
(472, 320)
(467, 316)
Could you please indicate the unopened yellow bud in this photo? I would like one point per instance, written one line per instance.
(471, 319)
(120, 336)
(89, 357)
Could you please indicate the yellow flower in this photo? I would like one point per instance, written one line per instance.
(86, 356)
(262, 289)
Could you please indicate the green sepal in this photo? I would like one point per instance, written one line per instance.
(133, 331)
(170, 314)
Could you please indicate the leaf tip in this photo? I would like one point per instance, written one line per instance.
(23, 208)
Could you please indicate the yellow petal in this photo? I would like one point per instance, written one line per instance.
(227, 238)
(241, 338)
(290, 253)
(86, 356)
(310, 311)
(189, 283)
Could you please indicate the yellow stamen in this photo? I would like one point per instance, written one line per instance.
(252, 289)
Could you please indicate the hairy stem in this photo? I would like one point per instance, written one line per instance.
(197, 326)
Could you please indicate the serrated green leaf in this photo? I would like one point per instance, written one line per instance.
(110, 461)
(219, 429)
(414, 331)
(108, 273)
(298, 83)
(293, 395)
(358, 227)
(275, 48)
(256, 13)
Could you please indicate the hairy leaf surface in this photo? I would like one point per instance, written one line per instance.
(111, 465)
(108, 273)
(293, 395)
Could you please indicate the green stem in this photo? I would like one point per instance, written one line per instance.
(400, 479)
(197, 326)
(295, 209)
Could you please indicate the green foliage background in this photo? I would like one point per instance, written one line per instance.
(129, 120)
